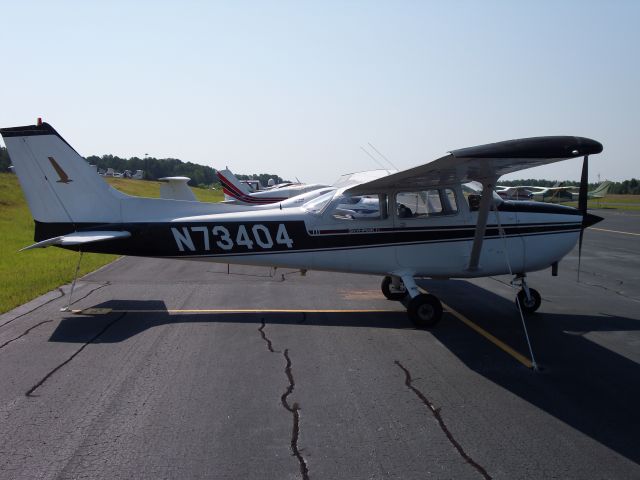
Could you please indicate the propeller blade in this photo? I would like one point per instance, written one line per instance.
(580, 251)
(584, 186)
(582, 205)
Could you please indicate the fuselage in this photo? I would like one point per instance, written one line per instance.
(437, 245)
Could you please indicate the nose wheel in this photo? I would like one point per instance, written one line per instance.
(528, 299)
(529, 304)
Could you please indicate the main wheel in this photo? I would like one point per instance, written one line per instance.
(424, 311)
(529, 306)
(395, 294)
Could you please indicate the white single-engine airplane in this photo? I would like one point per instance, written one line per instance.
(424, 226)
(239, 193)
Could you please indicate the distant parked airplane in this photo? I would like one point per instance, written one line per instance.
(237, 192)
(550, 194)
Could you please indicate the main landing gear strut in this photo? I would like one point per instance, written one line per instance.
(424, 310)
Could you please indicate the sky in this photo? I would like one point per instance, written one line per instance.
(297, 88)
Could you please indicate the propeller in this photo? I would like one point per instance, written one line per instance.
(587, 218)
(582, 205)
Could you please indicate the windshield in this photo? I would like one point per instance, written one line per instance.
(319, 203)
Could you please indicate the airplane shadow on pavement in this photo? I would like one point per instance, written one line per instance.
(585, 385)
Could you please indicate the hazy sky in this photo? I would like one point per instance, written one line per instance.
(295, 88)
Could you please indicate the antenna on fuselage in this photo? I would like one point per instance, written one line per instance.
(381, 155)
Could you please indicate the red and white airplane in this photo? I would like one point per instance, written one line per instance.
(425, 225)
(235, 191)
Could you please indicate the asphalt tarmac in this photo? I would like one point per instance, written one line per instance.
(320, 377)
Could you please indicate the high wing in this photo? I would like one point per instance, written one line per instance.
(485, 163)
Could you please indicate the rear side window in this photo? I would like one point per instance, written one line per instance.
(426, 203)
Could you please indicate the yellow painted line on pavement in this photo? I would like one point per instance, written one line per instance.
(496, 341)
(103, 311)
(614, 231)
(492, 338)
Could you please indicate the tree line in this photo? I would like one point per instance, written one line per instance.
(155, 168)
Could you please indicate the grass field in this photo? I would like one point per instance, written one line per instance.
(27, 275)
(612, 201)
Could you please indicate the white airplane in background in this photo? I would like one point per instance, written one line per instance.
(551, 194)
(239, 193)
(176, 188)
(424, 226)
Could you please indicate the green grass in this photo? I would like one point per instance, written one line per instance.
(27, 275)
(613, 201)
(147, 188)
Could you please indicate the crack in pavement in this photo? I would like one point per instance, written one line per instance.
(62, 294)
(264, 337)
(91, 291)
(29, 393)
(24, 333)
(293, 409)
(436, 414)
(609, 289)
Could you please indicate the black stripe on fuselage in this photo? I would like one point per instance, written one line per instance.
(191, 239)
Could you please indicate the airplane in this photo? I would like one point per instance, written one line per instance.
(426, 227)
(551, 194)
(239, 193)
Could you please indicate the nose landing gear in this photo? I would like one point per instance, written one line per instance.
(528, 298)
(393, 288)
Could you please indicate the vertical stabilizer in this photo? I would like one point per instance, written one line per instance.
(232, 188)
(58, 183)
(601, 190)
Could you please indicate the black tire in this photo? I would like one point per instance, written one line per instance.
(386, 291)
(424, 311)
(529, 306)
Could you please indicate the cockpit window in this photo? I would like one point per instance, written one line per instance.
(360, 207)
(473, 192)
(318, 204)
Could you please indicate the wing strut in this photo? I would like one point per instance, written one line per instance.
(483, 213)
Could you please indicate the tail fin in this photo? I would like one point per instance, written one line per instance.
(58, 183)
(176, 188)
(232, 188)
(602, 189)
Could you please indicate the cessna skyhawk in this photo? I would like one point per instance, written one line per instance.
(424, 225)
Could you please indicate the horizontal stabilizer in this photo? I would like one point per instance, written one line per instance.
(79, 238)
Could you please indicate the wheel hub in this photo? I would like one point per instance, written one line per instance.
(425, 311)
